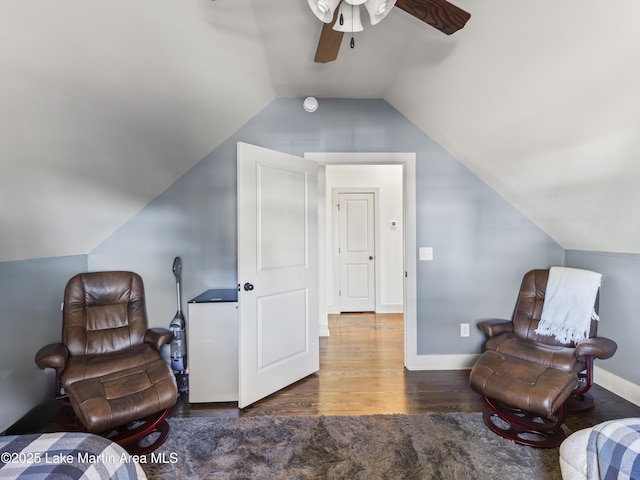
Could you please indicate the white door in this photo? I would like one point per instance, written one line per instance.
(277, 271)
(357, 252)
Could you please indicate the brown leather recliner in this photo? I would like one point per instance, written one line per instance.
(528, 379)
(108, 365)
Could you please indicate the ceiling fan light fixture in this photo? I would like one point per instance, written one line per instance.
(378, 9)
(350, 16)
(323, 9)
(440, 14)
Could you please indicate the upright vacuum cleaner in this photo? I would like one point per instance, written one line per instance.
(179, 342)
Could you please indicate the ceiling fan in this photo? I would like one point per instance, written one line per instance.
(440, 14)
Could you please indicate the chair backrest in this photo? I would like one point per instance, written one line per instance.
(529, 308)
(103, 312)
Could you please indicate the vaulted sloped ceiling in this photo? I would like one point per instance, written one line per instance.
(104, 103)
(542, 100)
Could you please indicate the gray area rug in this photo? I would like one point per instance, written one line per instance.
(428, 446)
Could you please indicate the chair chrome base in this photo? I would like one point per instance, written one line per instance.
(525, 428)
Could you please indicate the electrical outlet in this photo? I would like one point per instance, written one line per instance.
(464, 329)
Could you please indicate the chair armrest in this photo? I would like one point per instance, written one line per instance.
(157, 337)
(599, 347)
(54, 356)
(495, 327)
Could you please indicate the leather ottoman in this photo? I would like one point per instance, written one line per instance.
(526, 385)
(122, 397)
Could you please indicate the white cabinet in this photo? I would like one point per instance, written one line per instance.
(212, 342)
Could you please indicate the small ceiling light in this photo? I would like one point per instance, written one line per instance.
(323, 9)
(378, 9)
(310, 104)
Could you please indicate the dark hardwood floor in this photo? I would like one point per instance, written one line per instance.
(362, 372)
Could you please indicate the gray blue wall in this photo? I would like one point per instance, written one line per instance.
(31, 292)
(482, 245)
(619, 312)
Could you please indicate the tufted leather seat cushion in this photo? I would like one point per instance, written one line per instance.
(90, 366)
(556, 356)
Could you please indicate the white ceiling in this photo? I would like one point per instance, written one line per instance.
(540, 99)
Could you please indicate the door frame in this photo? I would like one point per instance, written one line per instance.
(408, 161)
(376, 239)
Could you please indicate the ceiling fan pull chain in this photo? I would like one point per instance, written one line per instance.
(353, 42)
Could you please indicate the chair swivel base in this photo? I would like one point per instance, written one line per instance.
(524, 428)
(580, 403)
(141, 437)
(67, 418)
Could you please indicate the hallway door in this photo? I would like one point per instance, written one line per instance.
(357, 252)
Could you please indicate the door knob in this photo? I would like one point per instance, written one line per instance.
(248, 287)
(371, 258)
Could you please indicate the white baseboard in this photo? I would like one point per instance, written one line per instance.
(323, 330)
(618, 385)
(442, 362)
(389, 308)
(383, 308)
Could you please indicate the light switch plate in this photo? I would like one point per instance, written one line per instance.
(426, 253)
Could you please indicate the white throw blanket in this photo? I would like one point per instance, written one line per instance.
(568, 304)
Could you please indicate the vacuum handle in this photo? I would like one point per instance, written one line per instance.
(177, 268)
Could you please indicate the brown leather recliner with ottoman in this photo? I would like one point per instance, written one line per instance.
(540, 363)
(109, 363)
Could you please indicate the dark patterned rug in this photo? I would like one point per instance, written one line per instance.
(428, 446)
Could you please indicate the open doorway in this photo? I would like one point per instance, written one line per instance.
(406, 227)
(365, 244)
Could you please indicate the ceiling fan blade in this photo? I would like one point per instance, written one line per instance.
(440, 14)
(329, 43)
